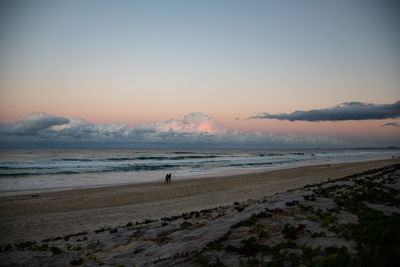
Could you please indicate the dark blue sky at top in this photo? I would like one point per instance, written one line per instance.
(308, 41)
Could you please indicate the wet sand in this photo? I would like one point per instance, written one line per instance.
(29, 217)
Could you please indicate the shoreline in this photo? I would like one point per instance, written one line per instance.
(217, 175)
(24, 217)
(205, 177)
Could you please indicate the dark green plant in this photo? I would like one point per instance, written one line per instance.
(250, 247)
(289, 231)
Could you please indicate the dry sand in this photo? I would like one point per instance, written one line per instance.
(53, 214)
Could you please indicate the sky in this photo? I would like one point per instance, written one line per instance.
(234, 74)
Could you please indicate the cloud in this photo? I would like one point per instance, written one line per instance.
(195, 122)
(394, 124)
(195, 130)
(33, 123)
(342, 112)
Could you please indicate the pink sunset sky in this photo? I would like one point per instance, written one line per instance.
(136, 62)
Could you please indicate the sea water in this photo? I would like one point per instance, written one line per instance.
(38, 170)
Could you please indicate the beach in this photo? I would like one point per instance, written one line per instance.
(46, 215)
(199, 133)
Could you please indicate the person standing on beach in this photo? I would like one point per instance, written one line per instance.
(166, 178)
(169, 177)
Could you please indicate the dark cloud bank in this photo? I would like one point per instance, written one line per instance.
(343, 112)
(195, 130)
(394, 124)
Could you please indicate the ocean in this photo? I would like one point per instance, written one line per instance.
(39, 170)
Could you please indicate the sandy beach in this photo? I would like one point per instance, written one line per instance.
(46, 215)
